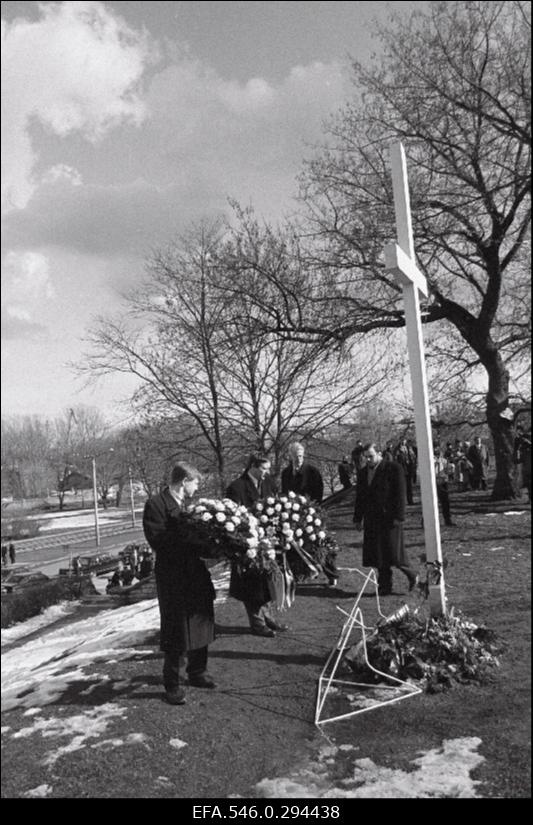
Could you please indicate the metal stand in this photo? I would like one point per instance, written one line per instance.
(355, 617)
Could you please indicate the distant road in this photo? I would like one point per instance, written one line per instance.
(57, 549)
(70, 537)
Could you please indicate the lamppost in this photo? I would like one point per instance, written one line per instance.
(132, 500)
(95, 494)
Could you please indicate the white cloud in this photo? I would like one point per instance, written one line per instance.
(26, 286)
(76, 68)
(206, 139)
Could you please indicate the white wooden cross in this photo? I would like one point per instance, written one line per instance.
(400, 261)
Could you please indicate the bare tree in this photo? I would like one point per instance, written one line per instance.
(453, 83)
(26, 443)
(203, 357)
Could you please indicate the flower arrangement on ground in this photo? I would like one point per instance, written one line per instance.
(435, 651)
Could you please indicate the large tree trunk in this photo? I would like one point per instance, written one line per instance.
(501, 428)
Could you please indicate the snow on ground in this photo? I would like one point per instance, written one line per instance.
(55, 521)
(40, 671)
(79, 729)
(46, 617)
(440, 773)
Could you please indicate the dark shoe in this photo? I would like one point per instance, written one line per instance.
(176, 696)
(281, 628)
(263, 631)
(413, 582)
(333, 583)
(201, 681)
(384, 591)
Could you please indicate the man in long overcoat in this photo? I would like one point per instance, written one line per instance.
(478, 455)
(380, 505)
(249, 587)
(184, 588)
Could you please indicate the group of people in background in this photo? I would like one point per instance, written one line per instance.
(136, 565)
(462, 462)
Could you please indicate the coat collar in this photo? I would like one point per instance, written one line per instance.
(170, 501)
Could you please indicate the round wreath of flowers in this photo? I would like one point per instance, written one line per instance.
(233, 531)
(292, 520)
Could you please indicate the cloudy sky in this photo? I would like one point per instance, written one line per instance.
(122, 122)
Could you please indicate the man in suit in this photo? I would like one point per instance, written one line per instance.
(184, 588)
(380, 505)
(255, 483)
(302, 477)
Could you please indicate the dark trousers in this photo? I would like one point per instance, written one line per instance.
(196, 666)
(330, 569)
(258, 616)
(385, 576)
(444, 500)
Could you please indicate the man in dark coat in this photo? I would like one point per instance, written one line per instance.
(345, 473)
(380, 505)
(300, 476)
(406, 457)
(478, 455)
(184, 588)
(247, 587)
(304, 478)
(358, 456)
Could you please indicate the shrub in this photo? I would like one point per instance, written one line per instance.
(30, 601)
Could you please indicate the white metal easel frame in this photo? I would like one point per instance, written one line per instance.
(355, 617)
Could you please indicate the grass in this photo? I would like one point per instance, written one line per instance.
(259, 722)
(487, 578)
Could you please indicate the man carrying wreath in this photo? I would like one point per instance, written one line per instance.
(184, 588)
(248, 587)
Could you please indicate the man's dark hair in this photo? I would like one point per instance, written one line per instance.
(371, 444)
(256, 459)
(182, 471)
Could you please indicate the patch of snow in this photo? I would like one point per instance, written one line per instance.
(177, 743)
(131, 739)
(85, 726)
(440, 773)
(32, 712)
(39, 791)
(46, 617)
(40, 671)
